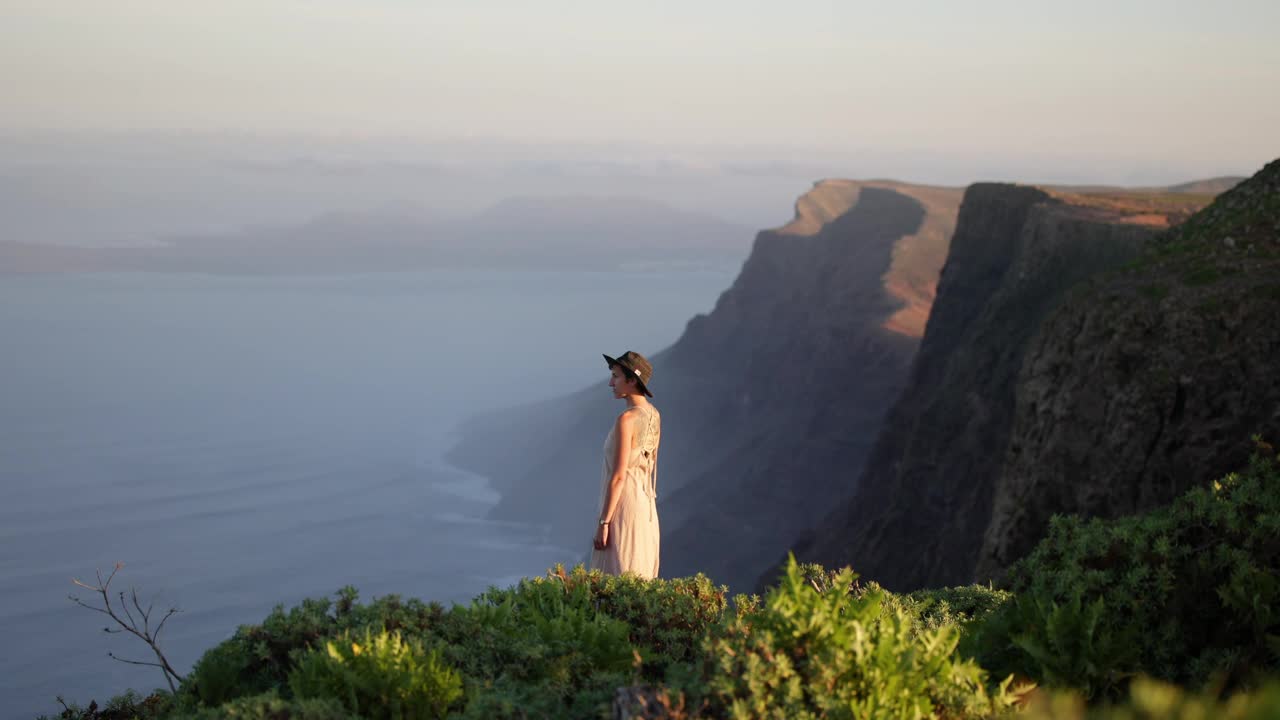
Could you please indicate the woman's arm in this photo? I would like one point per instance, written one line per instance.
(625, 431)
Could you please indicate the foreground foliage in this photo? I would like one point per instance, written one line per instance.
(1184, 594)
(825, 652)
(380, 676)
(1153, 700)
(1188, 593)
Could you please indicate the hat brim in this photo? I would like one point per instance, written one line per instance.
(611, 361)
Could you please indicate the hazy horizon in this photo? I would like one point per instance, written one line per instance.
(1124, 93)
(136, 187)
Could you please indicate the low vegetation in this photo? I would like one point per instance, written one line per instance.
(1174, 613)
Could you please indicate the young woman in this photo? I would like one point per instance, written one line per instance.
(626, 537)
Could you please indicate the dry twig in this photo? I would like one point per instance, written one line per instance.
(130, 623)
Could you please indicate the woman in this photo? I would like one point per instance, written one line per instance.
(627, 530)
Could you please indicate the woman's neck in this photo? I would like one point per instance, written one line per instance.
(636, 401)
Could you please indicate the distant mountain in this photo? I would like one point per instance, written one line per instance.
(1210, 186)
(546, 232)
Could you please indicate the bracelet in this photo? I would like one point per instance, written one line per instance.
(604, 522)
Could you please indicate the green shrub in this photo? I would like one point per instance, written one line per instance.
(537, 646)
(957, 606)
(666, 619)
(1184, 593)
(223, 673)
(931, 609)
(258, 658)
(378, 675)
(507, 698)
(1067, 644)
(546, 643)
(127, 706)
(270, 706)
(1153, 700)
(819, 650)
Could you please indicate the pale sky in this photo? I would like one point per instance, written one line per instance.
(1194, 83)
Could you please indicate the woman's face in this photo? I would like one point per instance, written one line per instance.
(619, 383)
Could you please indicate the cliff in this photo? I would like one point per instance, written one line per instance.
(769, 402)
(923, 503)
(1150, 380)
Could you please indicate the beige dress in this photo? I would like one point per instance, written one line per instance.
(633, 529)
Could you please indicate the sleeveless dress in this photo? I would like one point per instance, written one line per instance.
(633, 529)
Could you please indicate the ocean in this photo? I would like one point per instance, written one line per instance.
(240, 442)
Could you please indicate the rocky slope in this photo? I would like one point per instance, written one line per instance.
(923, 503)
(1152, 379)
(769, 402)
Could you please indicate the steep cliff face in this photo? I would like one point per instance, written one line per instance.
(1152, 379)
(924, 500)
(769, 402)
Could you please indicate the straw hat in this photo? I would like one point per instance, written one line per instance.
(633, 364)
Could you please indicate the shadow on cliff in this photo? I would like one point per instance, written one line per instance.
(769, 404)
(1077, 360)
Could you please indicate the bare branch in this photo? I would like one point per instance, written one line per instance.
(145, 619)
(127, 614)
(134, 662)
(163, 620)
(84, 605)
(131, 624)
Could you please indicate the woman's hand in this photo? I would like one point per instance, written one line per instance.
(601, 540)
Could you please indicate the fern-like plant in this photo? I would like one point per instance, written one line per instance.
(820, 651)
(1069, 645)
(380, 676)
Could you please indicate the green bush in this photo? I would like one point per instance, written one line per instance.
(258, 658)
(1060, 644)
(127, 706)
(818, 650)
(537, 646)
(548, 643)
(1185, 593)
(1153, 700)
(223, 673)
(666, 619)
(378, 675)
(957, 606)
(270, 706)
(931, 609)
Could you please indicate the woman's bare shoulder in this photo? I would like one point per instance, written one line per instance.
(632, 415)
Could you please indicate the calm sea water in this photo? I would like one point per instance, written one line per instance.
(241, 442)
